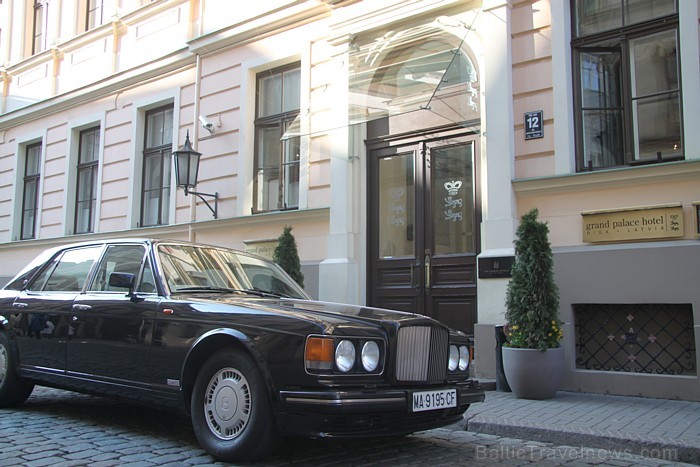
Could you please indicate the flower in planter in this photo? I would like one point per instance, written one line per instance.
(532, 296)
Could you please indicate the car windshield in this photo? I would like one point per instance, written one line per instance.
(188, 268)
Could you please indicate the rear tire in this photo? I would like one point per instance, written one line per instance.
(13, 391)
(231, 412)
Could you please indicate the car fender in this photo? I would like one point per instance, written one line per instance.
(212, 341)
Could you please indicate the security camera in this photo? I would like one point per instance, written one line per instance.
(206, 124)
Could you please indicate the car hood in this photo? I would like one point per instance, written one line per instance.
(327, 314)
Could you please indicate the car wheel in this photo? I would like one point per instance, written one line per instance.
(231, 412)
(13, 391)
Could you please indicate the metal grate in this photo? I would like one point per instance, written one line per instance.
(422, 354)
(646, 338)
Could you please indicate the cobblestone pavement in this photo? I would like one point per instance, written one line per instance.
(61, 428)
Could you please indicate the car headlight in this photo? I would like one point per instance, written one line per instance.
(370, 356)
(345, 356)
(463, 358)
(454, 358)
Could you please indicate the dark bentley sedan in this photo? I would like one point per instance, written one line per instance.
(229, 338)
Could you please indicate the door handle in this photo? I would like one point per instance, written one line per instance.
(20, 305)
(427, 271)
(81, 307)
(414, 266)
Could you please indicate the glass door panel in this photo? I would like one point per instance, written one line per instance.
(452, 200)
(396, 206)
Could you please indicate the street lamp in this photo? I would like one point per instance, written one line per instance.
(186, 171)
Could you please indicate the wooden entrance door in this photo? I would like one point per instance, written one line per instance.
(423, 229)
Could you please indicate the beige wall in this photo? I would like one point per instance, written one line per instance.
(110, 76)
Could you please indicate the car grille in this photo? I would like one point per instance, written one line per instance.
(422, 354)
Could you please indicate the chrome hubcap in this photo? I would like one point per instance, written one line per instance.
(227, 403)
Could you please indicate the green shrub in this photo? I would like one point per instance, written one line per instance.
(532, 296)
(287, 256)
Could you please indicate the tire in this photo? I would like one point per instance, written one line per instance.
(13, 391)
(231, 413)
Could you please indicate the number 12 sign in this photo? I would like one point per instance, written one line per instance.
(533, 125)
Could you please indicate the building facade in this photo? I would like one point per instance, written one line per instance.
(401, 139)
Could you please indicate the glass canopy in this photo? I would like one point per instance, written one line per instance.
(422, 67)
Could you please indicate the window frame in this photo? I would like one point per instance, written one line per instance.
(91, 166)
(99, 283)
(164, 153)
(26, 180)
(40, 18)
(281, 121)
(622, 36)
(94, 13)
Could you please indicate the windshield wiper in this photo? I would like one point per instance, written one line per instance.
(204, 288)
(260, 293)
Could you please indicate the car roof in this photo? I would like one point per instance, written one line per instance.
(150, 241)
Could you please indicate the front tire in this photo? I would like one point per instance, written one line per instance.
(13, 391)
(231, 412)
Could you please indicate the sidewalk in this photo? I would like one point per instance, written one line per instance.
(658, 428)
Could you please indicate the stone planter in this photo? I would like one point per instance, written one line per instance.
(533, 374)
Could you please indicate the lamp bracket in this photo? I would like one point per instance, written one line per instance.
(215, 209)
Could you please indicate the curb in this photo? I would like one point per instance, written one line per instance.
(623, 442)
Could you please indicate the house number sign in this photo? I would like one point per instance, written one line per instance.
(534, 127)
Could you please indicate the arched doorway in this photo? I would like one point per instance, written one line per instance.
(423, 192)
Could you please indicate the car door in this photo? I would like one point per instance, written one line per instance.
(113, 326)
(41, 312)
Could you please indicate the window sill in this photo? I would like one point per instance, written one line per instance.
(272, 211)
(609, 178)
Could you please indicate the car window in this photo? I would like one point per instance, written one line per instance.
(67, 272)
(188, 267)
(148, 281)
(265, 278)
(118, 258)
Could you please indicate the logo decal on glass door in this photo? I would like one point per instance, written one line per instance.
(451, 203)
(396, 207)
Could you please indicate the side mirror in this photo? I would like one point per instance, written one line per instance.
(122, 279)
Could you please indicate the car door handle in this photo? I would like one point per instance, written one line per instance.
(20, 305)
(80, 307)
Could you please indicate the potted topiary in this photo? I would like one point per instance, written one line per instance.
(533, 361)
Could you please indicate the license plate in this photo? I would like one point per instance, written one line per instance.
(434, 400)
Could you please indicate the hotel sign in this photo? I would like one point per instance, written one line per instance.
(264, 248)
(642, 223)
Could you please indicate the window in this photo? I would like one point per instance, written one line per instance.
(39, 26)
(68, 272)
(30, 193)
(86, 196)
(626, 71)
(157, 155)
(118, 258)
(276, 180)
(93, 16)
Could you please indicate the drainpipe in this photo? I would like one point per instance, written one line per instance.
(196, 32)
(195, 135)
